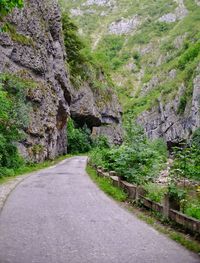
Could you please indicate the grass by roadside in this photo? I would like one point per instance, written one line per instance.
(106, 186)
(119, 195)
(33, 167)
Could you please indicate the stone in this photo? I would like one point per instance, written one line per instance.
(76, 12)
(197, 2)
(103, 113)
(99, 2)
(124, 26)
(41, 57)
(179, 13)
(166, 122)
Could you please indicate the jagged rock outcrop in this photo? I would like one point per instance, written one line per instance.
(33, 49)
(99, 2)
(124, 26)
(165, 120)
(179, 13)
(100, 110)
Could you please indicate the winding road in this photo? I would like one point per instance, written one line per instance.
(58, 215)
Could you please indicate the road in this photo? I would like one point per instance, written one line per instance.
(58, 215)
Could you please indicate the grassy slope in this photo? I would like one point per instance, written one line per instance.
(117, 52)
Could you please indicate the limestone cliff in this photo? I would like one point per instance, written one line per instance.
(100, 110)
(32, 48)
(166, 121)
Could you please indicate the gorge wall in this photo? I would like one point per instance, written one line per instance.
(152, 49)
(164, 120)
(32, 48)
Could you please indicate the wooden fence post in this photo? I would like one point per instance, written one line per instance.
(166, 206)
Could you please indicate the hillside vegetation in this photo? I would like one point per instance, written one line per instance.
(149, 47)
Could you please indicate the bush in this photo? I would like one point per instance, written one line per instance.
(155, 192)
(189, 55)
(138, 160)
(187, 161)
(108, 52)
(196, 138)
(13, 117)
(193, 210)
(101, 142)
(5, 172)
(73, 46)
(79, 140)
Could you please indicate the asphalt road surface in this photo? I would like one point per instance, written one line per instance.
(59, 215)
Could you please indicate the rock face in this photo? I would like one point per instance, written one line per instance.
(124, 26)
(179, 13)
(99, 110)
(99, 2)
(166, 121)
(33, 49)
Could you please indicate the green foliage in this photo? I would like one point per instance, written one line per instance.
(13, 118)
(138, 160)
(101, 142)
(73, 47)
(7, 5)
(175, 192)
(193, 210)
(182, 104)
(106, 186)
(196, 138)
(189, 55)
(82, 63)
(155, 192)
(108, 53)
(164, 46)
(79, 140)
(187, 161)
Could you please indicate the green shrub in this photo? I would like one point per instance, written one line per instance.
(155, 192)
(193, 210)
(101, 142)
(13, 118)
(196, 138)
(182, 104)
(161, 27)
(73, 46)
(5, 172)
(108, 52)
(187, 161)
(79, 140)
(83, 64)
(176, 193)
(189, 55)
(138, 160)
